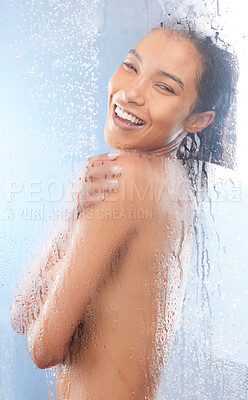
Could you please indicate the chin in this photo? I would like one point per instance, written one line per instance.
(116, 146)
(108, 140)
(111, 142)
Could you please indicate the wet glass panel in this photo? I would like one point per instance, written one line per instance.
(57, 59)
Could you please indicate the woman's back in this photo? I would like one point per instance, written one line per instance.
(118, 349)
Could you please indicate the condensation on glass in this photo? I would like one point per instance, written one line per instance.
(61, 55)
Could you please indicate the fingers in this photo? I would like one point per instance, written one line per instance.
(93, 188)
(92, 194)
(99, 159)
(102, 172)
(100, 176)
(101, 167)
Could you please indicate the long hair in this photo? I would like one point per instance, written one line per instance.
(216, 89)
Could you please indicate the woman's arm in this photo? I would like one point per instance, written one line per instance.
(86, 266)
(33, 286)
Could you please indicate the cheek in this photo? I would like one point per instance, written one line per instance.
(118, 81)
(113, 82)
(166, 114)
(111, 91)
(110, 86)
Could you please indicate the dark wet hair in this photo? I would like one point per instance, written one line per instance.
(216, 88)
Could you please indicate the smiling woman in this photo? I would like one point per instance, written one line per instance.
(157, 84)
(105, 306)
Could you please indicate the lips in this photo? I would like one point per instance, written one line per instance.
(124, 123)
(128, 112)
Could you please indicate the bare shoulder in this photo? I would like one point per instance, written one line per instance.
(134, 164)
(135, 178)
(154, 182)
(161, 175)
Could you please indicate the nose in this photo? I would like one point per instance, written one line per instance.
(135, 92)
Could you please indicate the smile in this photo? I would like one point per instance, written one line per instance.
(128, 116)
(126, 120)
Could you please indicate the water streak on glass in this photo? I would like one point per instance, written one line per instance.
(61, 54)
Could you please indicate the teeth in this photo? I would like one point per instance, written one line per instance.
(127, 116)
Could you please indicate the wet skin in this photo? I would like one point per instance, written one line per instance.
(157, 83)
(109, 282)
(113, 354)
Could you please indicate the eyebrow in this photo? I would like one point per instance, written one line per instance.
(163, 73)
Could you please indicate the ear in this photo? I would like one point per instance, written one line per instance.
(197, 122)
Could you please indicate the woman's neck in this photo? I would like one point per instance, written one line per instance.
(169, 150)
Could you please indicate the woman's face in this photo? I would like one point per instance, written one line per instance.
(157, 84)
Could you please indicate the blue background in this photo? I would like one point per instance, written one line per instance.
(56, 59)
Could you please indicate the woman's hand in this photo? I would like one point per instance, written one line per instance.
(101, 176)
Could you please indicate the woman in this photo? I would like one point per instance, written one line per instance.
(107, 306)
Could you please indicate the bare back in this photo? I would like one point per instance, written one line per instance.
(118, 349)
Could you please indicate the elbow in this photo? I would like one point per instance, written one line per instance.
(41, 360)
(45, 353)
(38, 359)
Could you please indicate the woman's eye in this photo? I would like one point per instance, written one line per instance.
(167, 88)
(127, 64)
